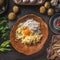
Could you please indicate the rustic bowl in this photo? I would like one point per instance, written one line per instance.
(25, 49)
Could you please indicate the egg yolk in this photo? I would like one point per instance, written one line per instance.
(27, 31)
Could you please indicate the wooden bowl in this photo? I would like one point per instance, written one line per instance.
(28, 3)
(25, 49)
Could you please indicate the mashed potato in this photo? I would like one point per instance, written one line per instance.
(29, 32)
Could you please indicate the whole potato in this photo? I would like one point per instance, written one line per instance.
(1, 2)
(42, 9)
(50, 11)
(47, 5)
(15, 9)
(11, 16)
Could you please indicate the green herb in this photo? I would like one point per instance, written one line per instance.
(7, 28)
(5, 46)
(4, 28)
(3, 22)
(1, 28)
(5, 43)
(5, 49)
(4, 35)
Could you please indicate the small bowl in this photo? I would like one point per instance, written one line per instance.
(54, 23)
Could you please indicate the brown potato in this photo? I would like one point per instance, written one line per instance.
(42, 9)
(15, 9)
(47, 5)
(11, 16)
(50, 11)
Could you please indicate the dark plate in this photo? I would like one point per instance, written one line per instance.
(51, 23)
(5, 5)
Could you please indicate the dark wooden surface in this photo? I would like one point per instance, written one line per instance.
(14, 55)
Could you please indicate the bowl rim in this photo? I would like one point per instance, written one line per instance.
(54, 16)
(57, 27)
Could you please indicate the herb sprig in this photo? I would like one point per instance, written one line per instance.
(5, 46)
(4, 31)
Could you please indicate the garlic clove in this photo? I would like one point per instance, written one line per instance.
(18, 1)
(41, 1)
(24, 1)
(54, 2)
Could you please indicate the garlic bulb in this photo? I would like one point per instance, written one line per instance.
(54, 2)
